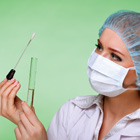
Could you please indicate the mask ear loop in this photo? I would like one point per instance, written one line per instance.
(133, 68)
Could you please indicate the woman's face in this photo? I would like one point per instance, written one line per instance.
(111, 46)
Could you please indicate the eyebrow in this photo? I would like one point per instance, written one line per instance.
(111, 48)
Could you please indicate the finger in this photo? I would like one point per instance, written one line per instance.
(12, 95)
(22, 129)
(3, 82)
(6, 85)
(9, 89)
(30, 114)
(28, 126)
(4, 99)
(17, 133)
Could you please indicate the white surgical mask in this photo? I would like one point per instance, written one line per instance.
(105, 76)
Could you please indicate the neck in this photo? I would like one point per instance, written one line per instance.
(121, 105)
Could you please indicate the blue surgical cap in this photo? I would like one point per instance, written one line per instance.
(127, 25)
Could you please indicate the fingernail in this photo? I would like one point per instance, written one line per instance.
(15, 83)
(12, 79)
(18, 85)
(22, 102)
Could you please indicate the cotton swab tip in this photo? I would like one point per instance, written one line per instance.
(33, 35)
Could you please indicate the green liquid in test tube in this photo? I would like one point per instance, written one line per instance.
(32, 78)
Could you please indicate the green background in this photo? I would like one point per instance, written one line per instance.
(66, 31)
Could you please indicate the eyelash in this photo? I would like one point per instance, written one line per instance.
(113, 54)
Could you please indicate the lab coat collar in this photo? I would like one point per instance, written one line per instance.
(87, 102)
(134, 115)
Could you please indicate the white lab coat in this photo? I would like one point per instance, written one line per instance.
(81, 119)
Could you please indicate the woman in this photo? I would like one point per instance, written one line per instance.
(113, 70)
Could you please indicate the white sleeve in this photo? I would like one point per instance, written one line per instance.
(57, 128)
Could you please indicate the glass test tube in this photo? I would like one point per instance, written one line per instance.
(32, 77)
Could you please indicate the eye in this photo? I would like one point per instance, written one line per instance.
(98, 47)
(116, 57)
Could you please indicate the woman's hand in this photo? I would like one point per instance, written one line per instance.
(29, 127)
(10, 104)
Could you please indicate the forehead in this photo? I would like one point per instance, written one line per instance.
(110, 38)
